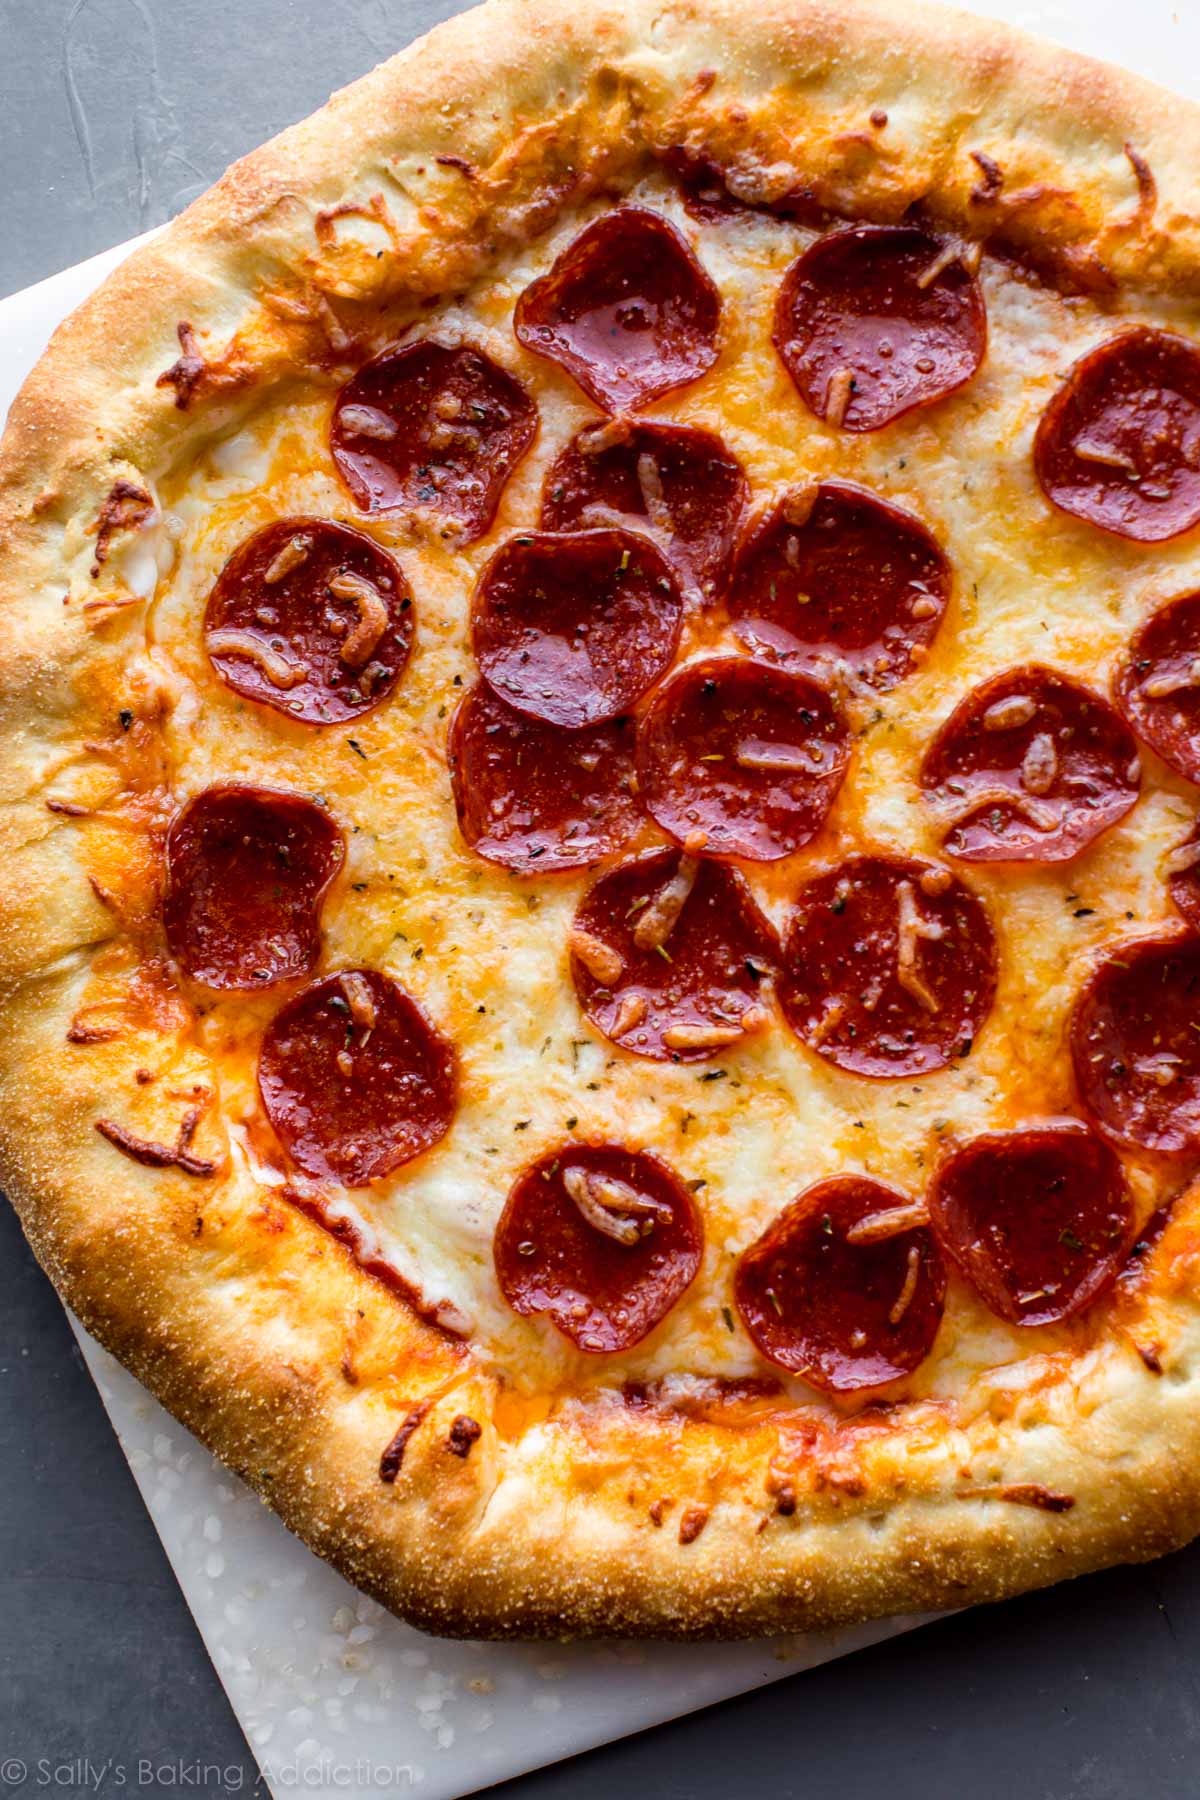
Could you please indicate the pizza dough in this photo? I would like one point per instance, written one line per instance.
(598, 973)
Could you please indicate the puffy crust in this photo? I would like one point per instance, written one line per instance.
(572, 1512)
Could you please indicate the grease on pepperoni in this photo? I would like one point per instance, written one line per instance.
(746, 755)
(1119, 444)
(627, 310)
(246, 871)
(602, 1240)
(1135, 1044)
(535, 798)
(846, 1287)
(311, 618)
(1158, 685)
(672, 959)
(874, 320)
(1030, 767)
(432, 428)
(889, 966)
(675, 480)
(573, 628)
(835, 575)
(355, 1079)
(1038, 1220)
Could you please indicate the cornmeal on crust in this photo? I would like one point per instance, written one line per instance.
(349, 1349)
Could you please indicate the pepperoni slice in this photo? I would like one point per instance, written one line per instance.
(355, 1079)
(846, 1288)
(680, 482)
(535, 798)
(1038, 1220)
(708, 197)
(746, 755)
(1030, 767)
(626, 309)
(1135, 1042)
(671, 957)
(311, 618)
(702, 187)
(889, 966)
(601, 1239)
(432, 428)
(1119, 444)
(874, 320)
(834, 575)
(1158, 685)
(247, 870)
(1183, 876)
(574, 627)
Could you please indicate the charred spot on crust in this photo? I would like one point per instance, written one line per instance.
(125, 507)
(374, 208)
(192, 371)
(464, 1431)
(692, 1521)
(465, 168)
(985, 191)
(393, 1457)
(1032, 1493)
(160, 1156)
(186, 372)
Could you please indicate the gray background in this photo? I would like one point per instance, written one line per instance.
(113, 114)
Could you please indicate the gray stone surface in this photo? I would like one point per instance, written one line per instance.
(113, 114)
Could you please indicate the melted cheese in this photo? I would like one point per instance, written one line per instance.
(487, 954)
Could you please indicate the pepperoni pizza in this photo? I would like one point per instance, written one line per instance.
(600, 918)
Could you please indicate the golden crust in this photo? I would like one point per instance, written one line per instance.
(734, 1513)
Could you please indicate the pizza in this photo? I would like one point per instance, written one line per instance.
(600, 908)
